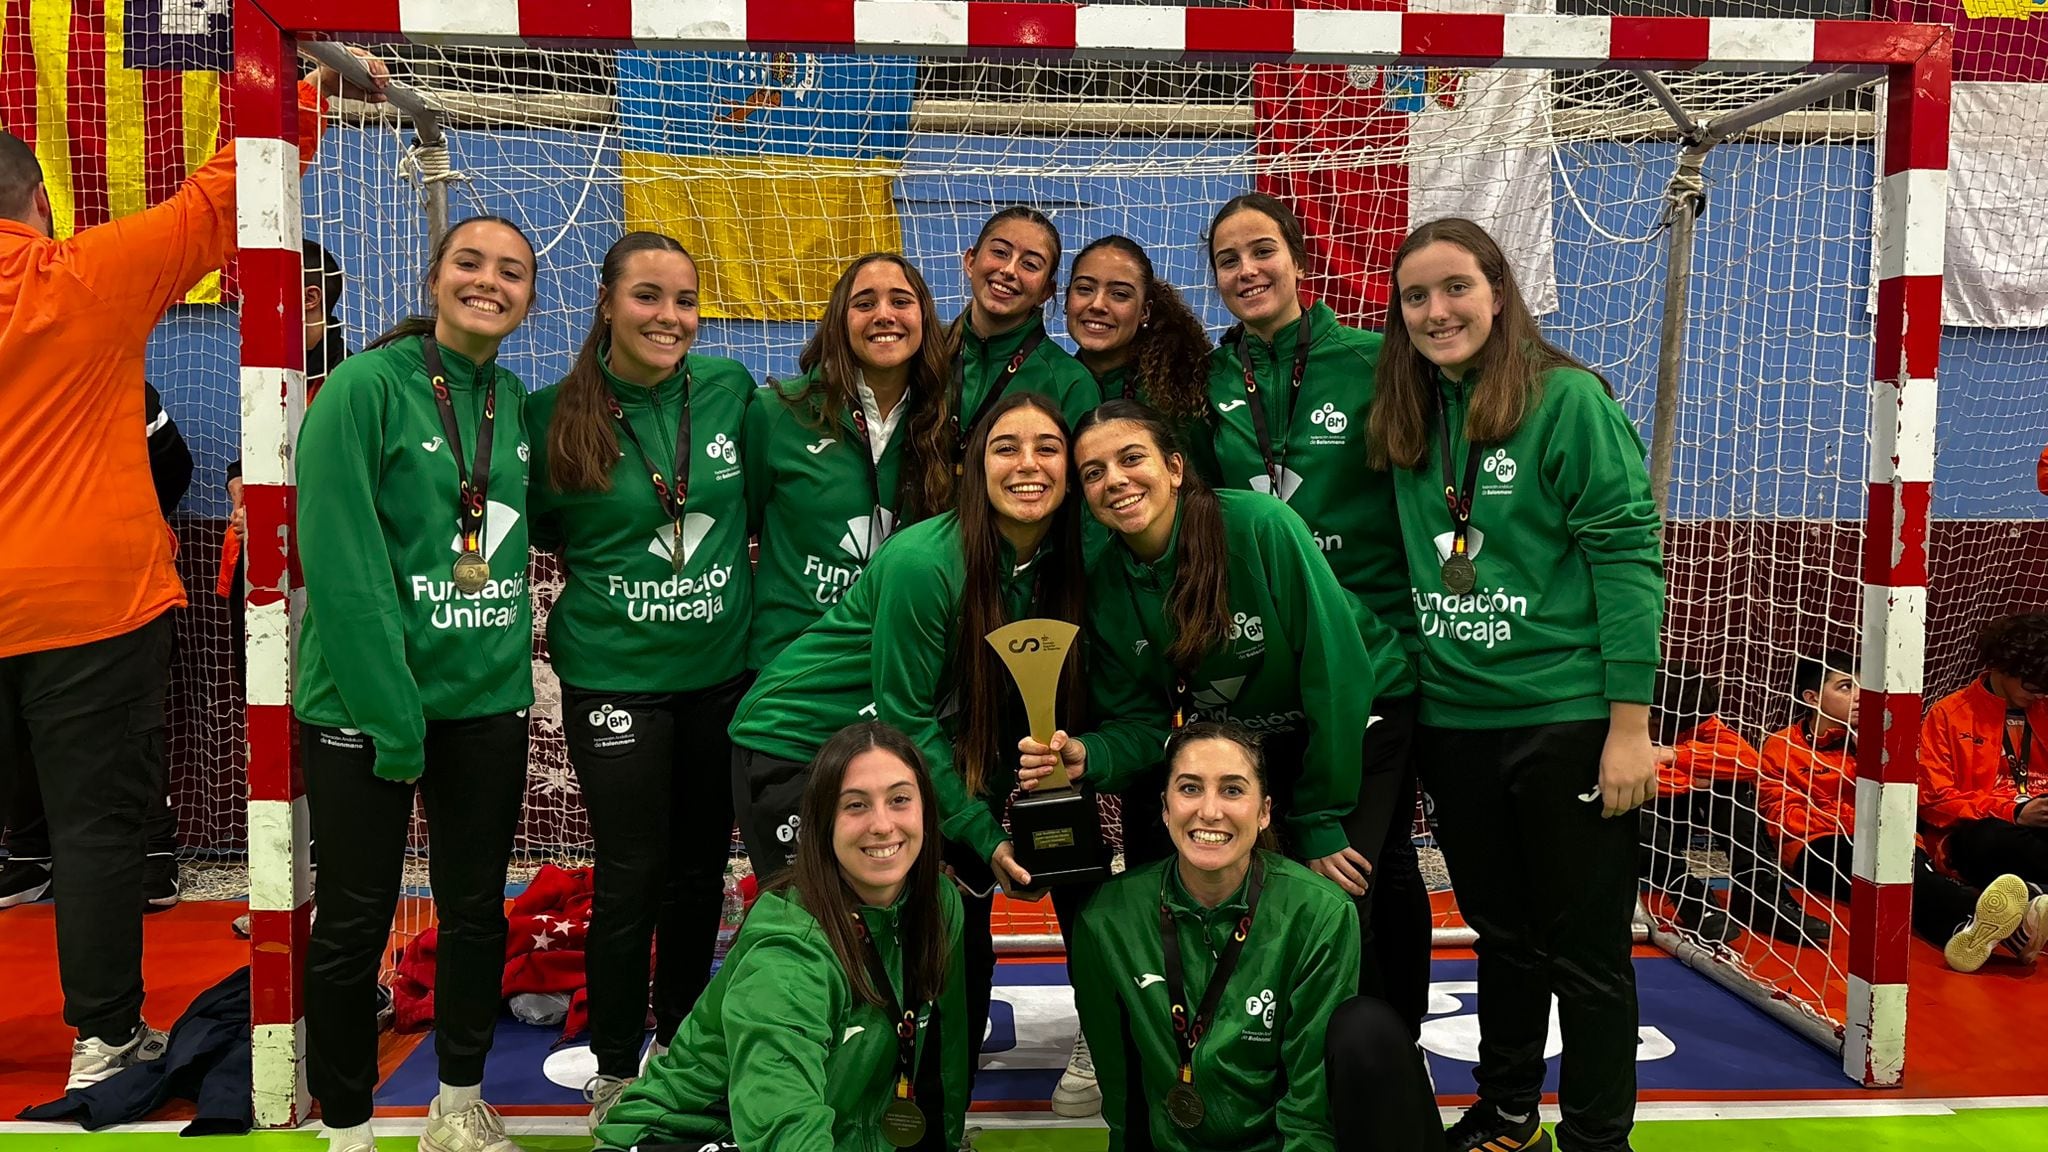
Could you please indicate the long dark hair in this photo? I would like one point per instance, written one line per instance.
(1246, 741)
(1509, 371)
(583, 444)
(423, 325)
(1170, 356)
(1199, 602)
(958, 329)
(984, 682)
(928, 446)
(822, 887)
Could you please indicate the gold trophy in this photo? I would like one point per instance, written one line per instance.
(1055, 827)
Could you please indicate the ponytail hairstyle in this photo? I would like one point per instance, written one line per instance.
(986, 690)
(1199, 602)
(418, 325)
(821, 885)
(1170, 356)
(1504, 381)
(583, 444)
(928, 443)
(958, 330)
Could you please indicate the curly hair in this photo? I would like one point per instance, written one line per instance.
(2017, 646)
(1170, 357)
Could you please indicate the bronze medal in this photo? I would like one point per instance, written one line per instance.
(1184, 1107)
(1459, 574)
(472, 572)
(903, 1124)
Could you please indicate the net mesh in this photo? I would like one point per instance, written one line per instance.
(1767, 504)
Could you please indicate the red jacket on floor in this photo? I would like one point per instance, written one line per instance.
(546, 930)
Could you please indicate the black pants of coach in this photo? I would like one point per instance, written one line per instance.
(27, 822)
(1983, 850)
(655, 771)
(90, 718)
(1376, 1081)
(1393, 915)
(472, 790)
(1550, 887)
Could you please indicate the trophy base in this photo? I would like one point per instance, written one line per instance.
(1058, 838)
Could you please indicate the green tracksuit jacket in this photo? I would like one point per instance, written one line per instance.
(778, 1054)
(1567, 545)
(885, 652)
(809, 493)
(627, 620)
(387, 643)
(1050, 369)
(1260, 1067)
(1319, 444)
(1302, 654)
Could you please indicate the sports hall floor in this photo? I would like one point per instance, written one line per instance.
(1714, 1072)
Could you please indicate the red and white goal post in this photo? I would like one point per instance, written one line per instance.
(1880, 601)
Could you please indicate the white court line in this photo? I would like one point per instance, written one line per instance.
(1648, 1111)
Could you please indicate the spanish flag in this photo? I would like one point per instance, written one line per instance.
(119, 98)
(774, 169)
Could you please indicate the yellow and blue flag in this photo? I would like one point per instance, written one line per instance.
(119, 98)
(774, 169)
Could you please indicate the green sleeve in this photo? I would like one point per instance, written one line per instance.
(1593, 460)
(1082, 394)
(1100, 1009)
(1321, 623)
(778, 1029)
(954, 1049)
(1326, 977)
(913, 639)
(1199, 437)
(1132, 735)
(347, 565)
(543, 517)
(756, 436)
(647, 1112)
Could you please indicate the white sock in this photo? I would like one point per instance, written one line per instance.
(454, 1098)
(351, 1136)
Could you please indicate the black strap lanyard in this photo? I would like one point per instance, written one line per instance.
(867, 458)
(906, 1018)
(1190, 1032)
(673, 489)
(1274, 457)
(474, 496)
(995, 391)
(1181, 696)
(2016, 762)
(1457, 499)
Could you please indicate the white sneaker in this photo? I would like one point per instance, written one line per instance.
(93, 1059)
(2030, 939)
(603, 1091)
(476, 1128)
(2001, 908)
(1077, 1093)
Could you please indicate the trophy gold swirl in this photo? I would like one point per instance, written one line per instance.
(1056, 827)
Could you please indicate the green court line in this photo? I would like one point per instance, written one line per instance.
(1977, 1130)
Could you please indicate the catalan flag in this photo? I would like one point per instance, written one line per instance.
(774, 169)
(119, 98)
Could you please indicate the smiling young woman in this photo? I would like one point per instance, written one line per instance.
(641, 492)
(414, 671)
(838, 1014)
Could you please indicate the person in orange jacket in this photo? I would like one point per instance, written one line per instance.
(85, 563)
(1712, 783)
(1815, 762)
(1984, 760)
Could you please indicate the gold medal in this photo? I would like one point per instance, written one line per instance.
(1184, 1107)
(675, 547)
(903, 1124)
(1459, 574)
(472, 572)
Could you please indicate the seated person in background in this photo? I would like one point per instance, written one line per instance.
(1712, 785)
(1815, 762)
(839, 1014)
(1984, 760)
(1216, 987)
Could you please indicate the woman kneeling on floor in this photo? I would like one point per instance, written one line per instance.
(836, 1022)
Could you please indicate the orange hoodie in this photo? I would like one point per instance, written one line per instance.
(1712, 753)
(1812, 791)
(1964, 774)
(83, 551)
